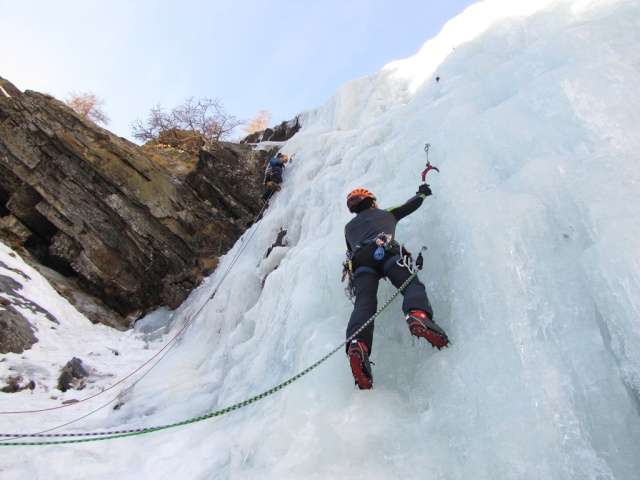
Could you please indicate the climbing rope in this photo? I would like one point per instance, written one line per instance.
(97, 436)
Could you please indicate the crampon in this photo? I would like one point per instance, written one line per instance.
(422, 326)
(360, 365)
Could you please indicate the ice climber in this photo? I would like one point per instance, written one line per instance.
(273, 176)
(372, 254)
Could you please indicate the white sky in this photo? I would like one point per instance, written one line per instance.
(284, 56)
(532, 268)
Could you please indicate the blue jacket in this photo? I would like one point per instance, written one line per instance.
(275, 164)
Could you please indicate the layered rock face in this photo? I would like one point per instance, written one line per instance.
(281, 133)
(136, 227)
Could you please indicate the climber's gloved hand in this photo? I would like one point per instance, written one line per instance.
(424, 190)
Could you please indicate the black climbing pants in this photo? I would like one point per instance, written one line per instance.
(366, 280)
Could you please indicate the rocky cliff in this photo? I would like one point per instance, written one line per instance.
(130, 227)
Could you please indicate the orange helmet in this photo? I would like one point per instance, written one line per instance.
(356, 196)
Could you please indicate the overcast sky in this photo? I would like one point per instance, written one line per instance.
(283, 56)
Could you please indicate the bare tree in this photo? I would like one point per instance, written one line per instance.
(258, 124)
(89, 105)
(203, 117)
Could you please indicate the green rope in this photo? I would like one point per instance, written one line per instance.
(97, 436)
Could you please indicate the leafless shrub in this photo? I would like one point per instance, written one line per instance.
(89, 105)
(258, 124)
(203, 117)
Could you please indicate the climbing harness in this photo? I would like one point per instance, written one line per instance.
(429, 166)
(384, 242)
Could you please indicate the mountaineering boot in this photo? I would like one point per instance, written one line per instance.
(360, 365)
(422, 326)
(273, 186)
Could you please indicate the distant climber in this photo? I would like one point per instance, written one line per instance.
(372, 254)
(437, 78)
(273, 176)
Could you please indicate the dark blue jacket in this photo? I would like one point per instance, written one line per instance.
(373, 221)
(275, 165)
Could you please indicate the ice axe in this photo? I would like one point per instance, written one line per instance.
(429, 166)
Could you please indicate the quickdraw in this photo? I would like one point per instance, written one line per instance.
(347, 272)
(408, 262)
(429, 166)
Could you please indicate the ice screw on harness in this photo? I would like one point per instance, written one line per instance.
(419, 259)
